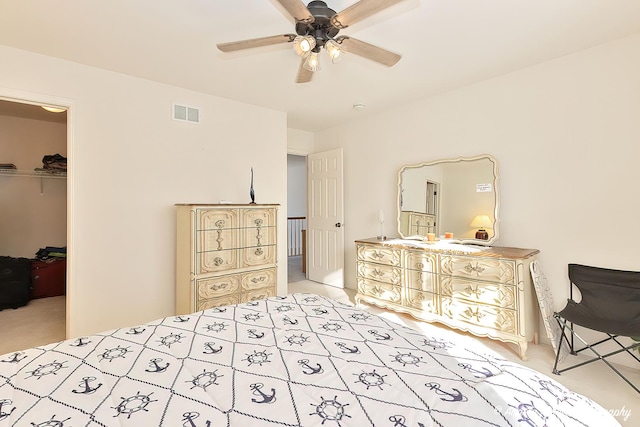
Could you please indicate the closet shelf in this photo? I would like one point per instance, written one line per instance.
(32, 173)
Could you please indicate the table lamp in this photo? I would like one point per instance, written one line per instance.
(482, 222)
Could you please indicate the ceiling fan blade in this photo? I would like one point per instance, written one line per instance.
(369, 51)
(259, 42)
(358, 11)
(297, 10)
(304, 75)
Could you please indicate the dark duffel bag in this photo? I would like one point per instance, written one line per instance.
(15, 282)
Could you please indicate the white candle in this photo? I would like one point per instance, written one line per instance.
(380, 216)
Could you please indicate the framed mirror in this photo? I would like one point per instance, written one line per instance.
(453, 199)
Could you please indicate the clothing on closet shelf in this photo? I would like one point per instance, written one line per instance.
(51, 252)
(53, 163)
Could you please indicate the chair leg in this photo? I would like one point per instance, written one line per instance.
(563, 325)
(599, 357)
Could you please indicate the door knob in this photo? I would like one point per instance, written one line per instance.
(338, 225)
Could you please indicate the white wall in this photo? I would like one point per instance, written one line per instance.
(296, 185)
(299, 142)
(566, 135)
(33, 211)
(129, 164)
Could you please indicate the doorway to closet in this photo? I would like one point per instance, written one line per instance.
(33, 224)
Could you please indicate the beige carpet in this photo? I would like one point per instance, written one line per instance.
(41, 321)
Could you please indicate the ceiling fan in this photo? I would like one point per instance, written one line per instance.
(317, 27)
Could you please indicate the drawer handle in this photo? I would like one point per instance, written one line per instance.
(258, 279)
(469, 268)
(376, 272)
(377, 255)
(218, 261)
(470, 313)
(477, 291)
(259, 251)
(218, 287)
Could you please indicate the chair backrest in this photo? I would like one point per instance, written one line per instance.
(609, 294)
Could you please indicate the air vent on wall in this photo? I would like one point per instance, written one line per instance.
(186, 114)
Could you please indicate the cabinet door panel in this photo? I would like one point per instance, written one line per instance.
(258, 227)
(213, 261)
(258, 255)
(217, 219)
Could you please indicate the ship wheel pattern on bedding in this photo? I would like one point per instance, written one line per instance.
(294, 360)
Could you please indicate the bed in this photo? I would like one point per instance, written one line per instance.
(294, 360)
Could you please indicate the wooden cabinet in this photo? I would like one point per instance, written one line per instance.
(226, 254)
(485, 291)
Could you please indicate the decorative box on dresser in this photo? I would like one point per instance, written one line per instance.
(226, 254)
(485, 291)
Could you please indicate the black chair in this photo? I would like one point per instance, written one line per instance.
(610, 304)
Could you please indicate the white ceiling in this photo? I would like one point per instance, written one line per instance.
(444, 44)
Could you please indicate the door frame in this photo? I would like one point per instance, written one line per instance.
(24, 97)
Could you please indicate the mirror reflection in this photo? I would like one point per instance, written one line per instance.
(449, 199)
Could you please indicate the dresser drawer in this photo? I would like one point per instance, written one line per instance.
(218, 286)
(421, 281)
(379, 272)
(381, 291)
(422, 261)
(258, 294)
(217, 302)
(483, 316)
(388, 256)
(489, 269)
(496, 294)
(426, 302)
(259, 279)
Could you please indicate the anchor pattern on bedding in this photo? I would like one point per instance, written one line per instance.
(294, 360)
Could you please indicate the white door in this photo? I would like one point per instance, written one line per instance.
(325, 234)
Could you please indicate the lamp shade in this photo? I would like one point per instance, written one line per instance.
(312, 63)
(334, 50)
(482, 221)
(303, 45)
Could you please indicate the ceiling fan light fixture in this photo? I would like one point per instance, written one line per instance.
(303, 45)
(334, 50)
(312, 63)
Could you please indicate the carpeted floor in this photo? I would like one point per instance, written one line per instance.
(41, 321)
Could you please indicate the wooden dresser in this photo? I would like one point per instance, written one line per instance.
(485, 291)
(226, 254)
